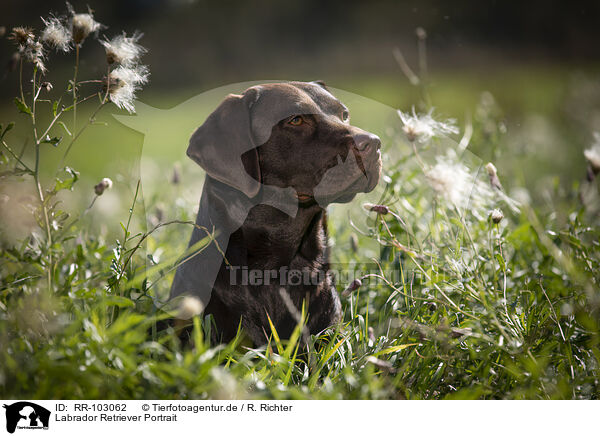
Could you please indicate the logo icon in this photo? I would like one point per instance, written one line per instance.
(26, 415)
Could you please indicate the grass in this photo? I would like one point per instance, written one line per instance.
(451, 304)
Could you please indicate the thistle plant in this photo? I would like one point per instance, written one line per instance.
(124, 76)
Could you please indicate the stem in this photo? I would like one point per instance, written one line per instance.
(17, 158)
(124, 250)
(504, 280)
(34, 96)
(52, 124)
(90, 81)
(21, 78)
(22, 152)
(424, 80)
(420, 162)
(422, 52)
(410, 75)
(36, 176)
(75, 86)
(556, 319)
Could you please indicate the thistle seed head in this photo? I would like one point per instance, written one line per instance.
(34, 53)
(423, 127)
(123, 49)
(123, 82)
(82, 25)
(22, 36)
(56, 34)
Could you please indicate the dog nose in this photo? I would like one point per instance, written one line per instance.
(364, 141)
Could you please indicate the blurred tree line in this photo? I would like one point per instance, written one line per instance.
(201, 44)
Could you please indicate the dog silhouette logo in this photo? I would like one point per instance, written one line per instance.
(26, 415)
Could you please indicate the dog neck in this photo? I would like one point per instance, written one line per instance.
(273, 238)
(268, 231)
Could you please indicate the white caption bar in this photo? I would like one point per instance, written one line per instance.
(152, 417)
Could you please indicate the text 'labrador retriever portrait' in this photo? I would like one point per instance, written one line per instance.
(275, 157)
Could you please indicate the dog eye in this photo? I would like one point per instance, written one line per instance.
(345, 116)
(296, 121)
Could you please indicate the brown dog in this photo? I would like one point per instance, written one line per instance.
(274, 158)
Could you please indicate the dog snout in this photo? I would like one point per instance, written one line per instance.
(366, 141)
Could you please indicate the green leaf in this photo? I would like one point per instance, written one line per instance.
(54, 141)
(394, 349)
(330, 353)
(22, 106)
(115, 300)
(500, 260)
(275, 335)
(64, 126)
(9, 127)
(66, 183)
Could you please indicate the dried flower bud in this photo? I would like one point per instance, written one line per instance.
(371, 334)
(176, 176)
(353, 286)
(421, 33)
(190, 307)
(104, 184)
(354, 243)
(496, 216)
(2, 31)
(47, 86)
(493, 175)
(590, 176)
(380, 209)
(592, 155)
(160, 214)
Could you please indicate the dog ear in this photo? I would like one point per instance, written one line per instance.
(321, 84)
(218, 144)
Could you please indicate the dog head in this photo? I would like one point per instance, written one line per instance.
(286, 135)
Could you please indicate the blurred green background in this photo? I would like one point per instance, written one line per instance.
(537, 61)
(526, 74)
